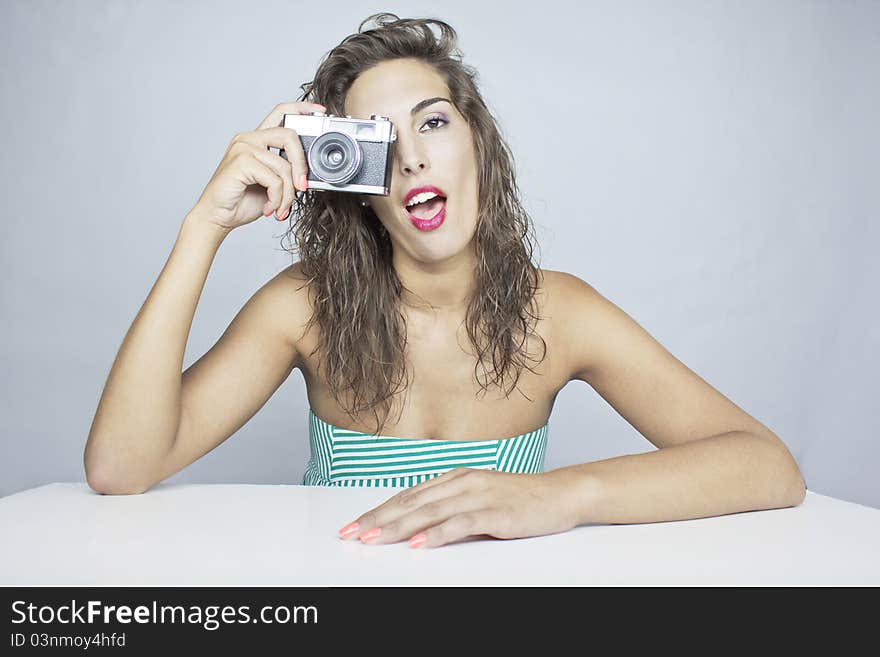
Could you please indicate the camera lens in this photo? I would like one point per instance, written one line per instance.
(335, 157)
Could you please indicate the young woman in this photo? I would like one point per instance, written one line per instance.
(431, 347)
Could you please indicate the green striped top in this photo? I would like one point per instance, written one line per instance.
(341, 457)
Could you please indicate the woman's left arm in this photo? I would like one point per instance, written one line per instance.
(713, 458)
(728, 473)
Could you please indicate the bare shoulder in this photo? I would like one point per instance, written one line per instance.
(563, 282)
(287, 301)
(574, 307)
(566, 293)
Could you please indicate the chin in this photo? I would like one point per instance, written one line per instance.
(440, 249)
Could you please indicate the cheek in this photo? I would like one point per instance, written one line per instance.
(471, 185)
(464, 168)
(469, 171)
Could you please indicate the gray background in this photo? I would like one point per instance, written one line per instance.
(705, 165)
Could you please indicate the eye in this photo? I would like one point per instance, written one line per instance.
(432, 120)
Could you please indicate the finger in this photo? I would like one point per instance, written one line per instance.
(462, 525)
(415, 499)
(285, 139)
(424, 517)
(273, 120)
(255, 172)
(281, 167)
(449, 475)
(406, 497)
(397, 504)
(296, 158)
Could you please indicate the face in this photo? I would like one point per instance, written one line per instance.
(434, 147)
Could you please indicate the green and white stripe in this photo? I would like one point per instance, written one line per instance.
(341, 457)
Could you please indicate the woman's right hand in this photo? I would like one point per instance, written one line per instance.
(251, 180)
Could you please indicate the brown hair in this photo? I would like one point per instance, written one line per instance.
(345, 251)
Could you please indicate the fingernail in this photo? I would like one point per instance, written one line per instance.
(418, 540)
(349, 529)
(267, 213)
(370, 535)
(304, 182)
(283, 215)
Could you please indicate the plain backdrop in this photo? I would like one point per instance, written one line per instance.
(711, 167)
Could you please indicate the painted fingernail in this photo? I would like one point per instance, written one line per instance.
(349, 529)
(304, 182)
(418, 540)
(283, 215)
(370, 535)
(267, 213)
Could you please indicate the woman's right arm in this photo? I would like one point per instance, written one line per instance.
(152, 420)
(139, 412)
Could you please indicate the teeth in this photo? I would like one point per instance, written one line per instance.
(421, 198)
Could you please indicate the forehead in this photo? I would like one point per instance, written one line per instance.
(392, 88)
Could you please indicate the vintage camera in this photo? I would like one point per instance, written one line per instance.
(345, 154)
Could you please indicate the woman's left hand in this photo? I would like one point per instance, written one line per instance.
(465, 502)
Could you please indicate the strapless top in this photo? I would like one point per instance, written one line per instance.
(342, 457)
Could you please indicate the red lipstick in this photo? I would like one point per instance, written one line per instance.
(419, 190)
(429, 223)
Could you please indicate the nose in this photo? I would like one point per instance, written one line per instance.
(410, 156)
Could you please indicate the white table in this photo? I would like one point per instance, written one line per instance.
(258, 535)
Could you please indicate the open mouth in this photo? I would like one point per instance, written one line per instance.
(427, 209)
(429, 214)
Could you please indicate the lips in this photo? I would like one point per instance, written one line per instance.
(419, 190)
(431, 212)
(432, 222)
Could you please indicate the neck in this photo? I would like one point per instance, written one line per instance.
(440, 288)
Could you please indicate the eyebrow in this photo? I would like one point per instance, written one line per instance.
(424, 103)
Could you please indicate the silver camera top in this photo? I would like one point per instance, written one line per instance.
(377, 128)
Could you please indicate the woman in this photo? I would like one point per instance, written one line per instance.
(397, 303)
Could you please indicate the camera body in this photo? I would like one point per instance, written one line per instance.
(345, 154)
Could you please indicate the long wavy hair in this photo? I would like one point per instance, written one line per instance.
(345, 252)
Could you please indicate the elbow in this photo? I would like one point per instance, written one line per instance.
(799, 489)
(790, 488)
(100, 481)
(109, 478)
